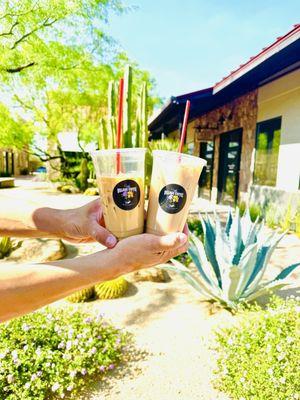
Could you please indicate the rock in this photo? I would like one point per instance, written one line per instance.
(38, 250)
(151, 274)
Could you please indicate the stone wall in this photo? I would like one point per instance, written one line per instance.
(239, 113)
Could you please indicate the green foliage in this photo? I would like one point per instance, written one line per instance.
(82, 178)
(259, 359)
(255, 210)
(81, 296)
(286, 221)
(14, 131)
(111, 289)
(297, 221)
(54, 353)
(68, 189)
(232, 260)
(273, 216)
(6, 247)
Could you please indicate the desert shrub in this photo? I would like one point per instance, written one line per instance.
(273, 216)
(259, 359)
(53, 353)
(255, 210)
(6, 246)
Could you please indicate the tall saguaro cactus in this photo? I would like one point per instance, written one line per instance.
(127, 131)
(144, 116)
(111, 120)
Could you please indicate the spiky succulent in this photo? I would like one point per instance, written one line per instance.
(81, 296)
(6, 246)
(232, 260)
(111, 289)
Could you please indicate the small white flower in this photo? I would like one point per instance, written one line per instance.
(49, 316)
(68, 345)
(75, 342)
(73, 374)
(55, 387)
(247, 346)
(230, 342)
(83, 371)
(281, 356)
(279, 348)
(10, 378)
(282, 380)
(70, 388)
(268, 348)
(93, 350)
(270, 371)
(61, 345)
(25, 327)
(48, 364)
(14, 354)
(38, 351)
(3, 355)
(27, 385)
(25, 348)
(242, 380)
(289, 339)
(39, 373)
(33, 377)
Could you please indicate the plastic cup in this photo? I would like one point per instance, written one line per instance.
(174, 180)
(120, 178)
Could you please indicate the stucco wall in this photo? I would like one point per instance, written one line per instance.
(282, 98)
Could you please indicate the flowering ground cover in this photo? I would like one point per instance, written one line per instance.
(260, 358)
(53, 353)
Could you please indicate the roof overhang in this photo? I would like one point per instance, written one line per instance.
(266, 53)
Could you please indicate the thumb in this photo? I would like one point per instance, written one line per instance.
(103, 236)
(169, 242)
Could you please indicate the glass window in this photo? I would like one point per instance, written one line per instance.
(266, 154)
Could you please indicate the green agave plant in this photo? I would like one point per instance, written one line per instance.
(232, 260)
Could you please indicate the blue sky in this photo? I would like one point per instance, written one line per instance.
(191, 44)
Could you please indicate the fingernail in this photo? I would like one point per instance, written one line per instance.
(182, 238)
(110, 241)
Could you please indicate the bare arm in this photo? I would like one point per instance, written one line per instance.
(28, 287)
(83, 224)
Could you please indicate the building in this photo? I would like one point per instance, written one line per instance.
(13, 162)
(247, 127)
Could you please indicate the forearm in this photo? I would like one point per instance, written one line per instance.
(22, 219)
(26, 288)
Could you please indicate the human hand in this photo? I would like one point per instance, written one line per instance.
(86, 224)
(142, 251)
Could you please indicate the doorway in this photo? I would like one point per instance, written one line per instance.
(206, 151)
(229, 166)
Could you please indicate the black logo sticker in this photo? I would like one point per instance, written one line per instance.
(127, 194)
(172, 198)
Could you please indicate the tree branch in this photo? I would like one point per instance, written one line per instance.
(10, 32)
(47, 22)
(20, 68)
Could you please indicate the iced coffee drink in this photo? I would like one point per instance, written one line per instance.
(174, 180)
(120, 178)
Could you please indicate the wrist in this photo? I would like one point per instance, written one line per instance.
(50, 221)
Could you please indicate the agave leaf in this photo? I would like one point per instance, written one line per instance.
(286, 271)
(246, 225)
(209, 246)
(230, 282)
(228, 222)
(222, 249)
(252, 234)
(197, 252)
(265, 289)
(263, 257)
(246, 265)
(190, 278)
(235, 238)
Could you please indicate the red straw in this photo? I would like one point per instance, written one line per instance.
(119, 127)
(184, 126)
